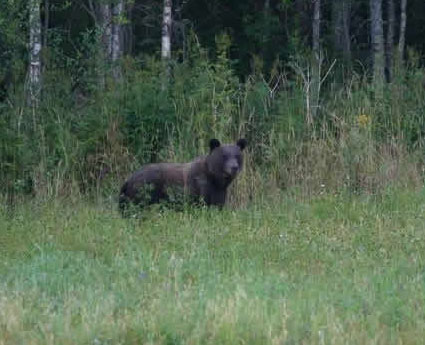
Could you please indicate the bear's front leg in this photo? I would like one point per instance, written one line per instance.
(216, 198)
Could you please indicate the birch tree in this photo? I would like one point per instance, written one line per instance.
(102, 14)
(46, 22)
(402, 36)
(105, 24)
(377, 39)
(166, 30)
(316, 63)
(116, 38)
(109, 20)
(389, 43)
(34, 80)
(166, 41)
(316, 27)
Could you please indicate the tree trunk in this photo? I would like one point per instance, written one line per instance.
(316, 64)
(377, 38)
(128, 35)
(179, 28)
(34, 85)
(341, 12)
(316, 27)
(116, 38)
(166, 42)
(166, 31)
(266, 6)
(302, 16)
(402, 37)
(390, 39)
(46, 22)
(105, 20)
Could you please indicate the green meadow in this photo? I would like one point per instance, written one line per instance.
(330, 269)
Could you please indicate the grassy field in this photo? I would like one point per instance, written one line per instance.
(330, 270)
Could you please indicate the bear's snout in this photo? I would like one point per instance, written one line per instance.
(231, 168)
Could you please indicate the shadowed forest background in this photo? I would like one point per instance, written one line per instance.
(329, 94)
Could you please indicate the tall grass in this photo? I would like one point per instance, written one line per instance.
(85, 140)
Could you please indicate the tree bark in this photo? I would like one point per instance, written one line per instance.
(341, 13)
(116, 38)
(403, 23)
(377, 39)
(166, 31)
(128, 35)
(316, 64)
(389, 44)
(105, 20)
(166, 42)
(46, 22)
(302, 16)
(316, 27)
(34, 85)
(103, 15)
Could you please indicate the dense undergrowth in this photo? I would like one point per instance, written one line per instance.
(82, 139)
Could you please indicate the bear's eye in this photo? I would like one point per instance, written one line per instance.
(225, 156)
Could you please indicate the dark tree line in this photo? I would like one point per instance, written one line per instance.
(269, 31)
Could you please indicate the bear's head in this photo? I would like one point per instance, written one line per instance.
(224, 162)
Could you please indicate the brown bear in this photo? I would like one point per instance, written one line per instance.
(204, 179)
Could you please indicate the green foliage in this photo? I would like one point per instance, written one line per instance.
(81, 133)
(90, 131)
(12, 44)
(88, 139)
(205, 95)
(146, 111)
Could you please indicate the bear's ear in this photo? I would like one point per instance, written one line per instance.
(214, 143)
(241, 143)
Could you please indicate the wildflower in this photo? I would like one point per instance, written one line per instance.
(363, 120)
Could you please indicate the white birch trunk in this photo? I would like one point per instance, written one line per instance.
(34, 86)
(166, 31)
(103, 15)
(402, 37)
(106, 29)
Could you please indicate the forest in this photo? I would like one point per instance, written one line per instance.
(90, 90)
(322, 238)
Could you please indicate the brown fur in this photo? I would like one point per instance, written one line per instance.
(205, 178)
